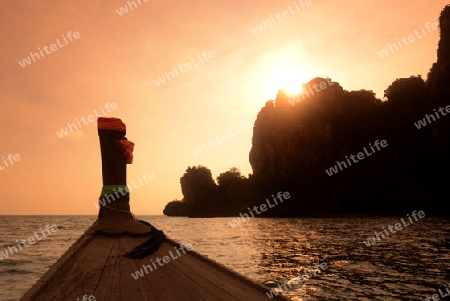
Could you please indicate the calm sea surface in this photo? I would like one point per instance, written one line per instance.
(407, 265)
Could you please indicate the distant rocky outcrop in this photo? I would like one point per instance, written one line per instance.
(176, 208)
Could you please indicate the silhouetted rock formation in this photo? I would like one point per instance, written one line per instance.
(295, 141)
(176, 208)
(438, 80)
(290, 139)
(300, 145)
(439, 76)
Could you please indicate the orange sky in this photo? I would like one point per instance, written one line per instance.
(118, 58)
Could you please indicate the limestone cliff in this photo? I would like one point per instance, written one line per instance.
(297, 138)
(295, 133)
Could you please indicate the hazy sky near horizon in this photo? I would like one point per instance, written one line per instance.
(117, 59)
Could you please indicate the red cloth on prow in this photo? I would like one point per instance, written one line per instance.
(115, 124)
(129, 147)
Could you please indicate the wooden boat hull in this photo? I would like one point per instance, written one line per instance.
(94, 266)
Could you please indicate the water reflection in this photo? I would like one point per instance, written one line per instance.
(405, 266)
(402, 267)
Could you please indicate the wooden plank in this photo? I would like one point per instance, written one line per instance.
(202, 289)
(160, 284)
(218, 273)
(137, 289)
(81, 275)
(208, 290)
(105, 286)
(232, 288)
(46, 279)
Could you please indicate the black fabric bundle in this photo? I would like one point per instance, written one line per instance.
(149, 246)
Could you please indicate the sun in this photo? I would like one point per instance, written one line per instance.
(285, 68)
(289, 79)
